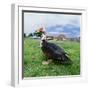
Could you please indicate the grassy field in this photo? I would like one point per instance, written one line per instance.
(33, 58)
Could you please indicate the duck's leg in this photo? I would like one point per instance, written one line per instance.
(48, 60)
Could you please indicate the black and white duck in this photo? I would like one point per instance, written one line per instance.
(53, 51)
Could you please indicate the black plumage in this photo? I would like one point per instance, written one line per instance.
(55, 52)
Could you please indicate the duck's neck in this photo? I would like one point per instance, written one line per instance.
(43, 39)
(41, 42)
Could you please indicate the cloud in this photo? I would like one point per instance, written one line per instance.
(33, 21)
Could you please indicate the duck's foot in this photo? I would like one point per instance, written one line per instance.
(47, 62)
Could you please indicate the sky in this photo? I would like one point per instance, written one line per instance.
(54, 24)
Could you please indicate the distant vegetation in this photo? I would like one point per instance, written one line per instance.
(62, 37)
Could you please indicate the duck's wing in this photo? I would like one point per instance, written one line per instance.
(57, 49)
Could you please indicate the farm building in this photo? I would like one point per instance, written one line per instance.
(61, 37)
(58, 37)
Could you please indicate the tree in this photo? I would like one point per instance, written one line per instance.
(30, 35)
(24, 35)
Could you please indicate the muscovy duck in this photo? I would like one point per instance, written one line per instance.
(53, 51)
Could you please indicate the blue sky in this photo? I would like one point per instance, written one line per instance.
(53, 24)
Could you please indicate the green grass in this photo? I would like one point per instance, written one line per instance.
(33, 58)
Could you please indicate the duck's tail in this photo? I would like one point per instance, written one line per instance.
(65, 59)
